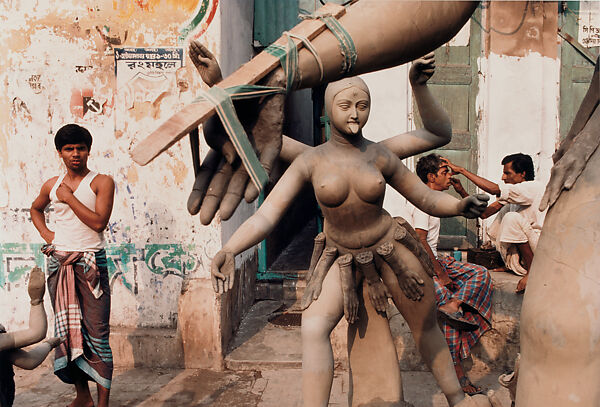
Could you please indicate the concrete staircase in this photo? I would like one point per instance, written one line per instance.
(262, 343)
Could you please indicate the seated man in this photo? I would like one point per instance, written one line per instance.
(517, 227)
(463, 290)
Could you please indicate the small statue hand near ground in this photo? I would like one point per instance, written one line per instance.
(222, 269)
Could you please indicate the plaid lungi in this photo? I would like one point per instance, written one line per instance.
(79, 289)
(473, 288)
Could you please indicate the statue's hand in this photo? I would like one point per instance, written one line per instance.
(410, 282)
(222, 269)
(350, 304)
(55, 341)
(223, 181)
(205, 62)
(567, 169)
(473, 206)
(378, 294)
(422, 69)
(37, 286)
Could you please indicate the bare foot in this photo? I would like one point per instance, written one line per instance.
(450, 307)
(87, 402)
(522, 284)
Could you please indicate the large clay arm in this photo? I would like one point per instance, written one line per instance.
(37, 316)
(30, 359)
(579, 145)
(259, 225)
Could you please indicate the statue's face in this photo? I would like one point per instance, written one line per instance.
(350, 110)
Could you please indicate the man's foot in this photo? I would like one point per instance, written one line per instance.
(522, 284)
(81, 402)
(457, 320)
(468, 387)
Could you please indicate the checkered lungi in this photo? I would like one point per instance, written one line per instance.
(474, 289)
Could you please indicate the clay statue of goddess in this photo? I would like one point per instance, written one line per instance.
(362, 241)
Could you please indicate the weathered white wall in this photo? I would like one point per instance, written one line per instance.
(519, 100)
(391, 114)
(53, 50)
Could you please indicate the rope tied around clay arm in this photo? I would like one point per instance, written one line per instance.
(222, 99)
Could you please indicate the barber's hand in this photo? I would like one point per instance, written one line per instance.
(473, 206)
(422, 69)
(222, 269)
(223, 179)
(36, 286)
(205, 62)
(453, 167)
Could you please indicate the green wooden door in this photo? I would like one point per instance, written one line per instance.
(455, 85)
(577, 61)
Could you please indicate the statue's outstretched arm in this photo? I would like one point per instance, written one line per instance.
(37, 316)
(259, 225)
(432, 202)
(437, 130)
(30, 359)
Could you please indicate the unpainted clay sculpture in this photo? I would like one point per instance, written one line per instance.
(12, 342)
(348, 174)
(560, 318)
(375, 34)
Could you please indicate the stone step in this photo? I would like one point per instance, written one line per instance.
(260, 344)
(289, 288)
(142, 348)
(146, 347)
(496, 349)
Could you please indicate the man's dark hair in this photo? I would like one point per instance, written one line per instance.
(72, 134)
(429, 164)
(521, 163)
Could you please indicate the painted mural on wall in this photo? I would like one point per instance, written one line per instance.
(125, 261)
(202, 18)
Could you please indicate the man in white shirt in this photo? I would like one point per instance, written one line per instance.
(518, 225)
(463, 291)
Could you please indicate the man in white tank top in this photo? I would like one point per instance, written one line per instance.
(77, 274)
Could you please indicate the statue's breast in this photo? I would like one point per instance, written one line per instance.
(334, 184)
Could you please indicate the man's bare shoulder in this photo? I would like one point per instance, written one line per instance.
(103, 181)
(49, 183)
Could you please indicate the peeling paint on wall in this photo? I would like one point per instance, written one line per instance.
(517, 28)
(58, 68)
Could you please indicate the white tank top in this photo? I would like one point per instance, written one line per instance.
(70, 233)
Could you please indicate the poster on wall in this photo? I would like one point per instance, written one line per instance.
(145, 76)
(589, 23)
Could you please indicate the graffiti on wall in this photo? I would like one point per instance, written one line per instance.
(126, 262)
(199, 23)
